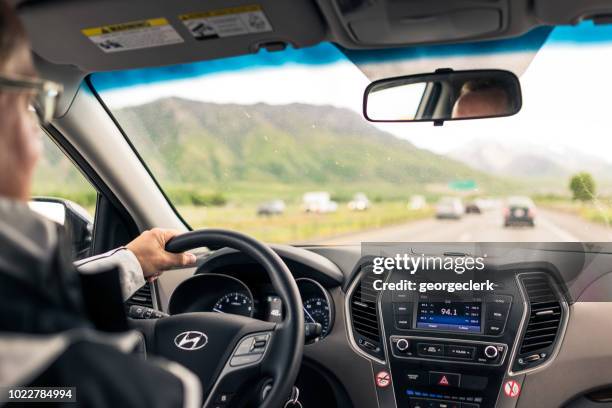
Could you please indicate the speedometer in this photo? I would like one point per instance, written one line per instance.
(235, 303)
(316, 310)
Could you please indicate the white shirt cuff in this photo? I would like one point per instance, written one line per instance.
(130, 272)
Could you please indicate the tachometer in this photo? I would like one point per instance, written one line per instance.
(235, 303)
(316, 310)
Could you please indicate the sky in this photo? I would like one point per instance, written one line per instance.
(565, 97)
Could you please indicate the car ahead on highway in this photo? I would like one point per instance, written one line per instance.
(189, 114)
(519, 211)
(473, 207)
(274, 207)
(359, 202)
(318, 202)
(449, 207)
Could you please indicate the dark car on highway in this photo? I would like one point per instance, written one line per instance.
(519, 211)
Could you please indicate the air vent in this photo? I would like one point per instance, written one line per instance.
(364, 314)
(142, 297)
(545, 317)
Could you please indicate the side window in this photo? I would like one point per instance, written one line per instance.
(61, 193)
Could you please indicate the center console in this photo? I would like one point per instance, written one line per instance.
(449, 350)
(455, 350)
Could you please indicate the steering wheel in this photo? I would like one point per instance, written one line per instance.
(256, 361)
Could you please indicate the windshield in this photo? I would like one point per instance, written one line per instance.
(275, 145)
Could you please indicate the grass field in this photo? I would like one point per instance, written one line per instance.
(599, 210)
(296, 226)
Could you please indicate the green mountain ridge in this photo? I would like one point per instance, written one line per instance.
(209, 144)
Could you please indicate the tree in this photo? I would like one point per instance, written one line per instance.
(582, 186)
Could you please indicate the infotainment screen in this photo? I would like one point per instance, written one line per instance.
(449, 316)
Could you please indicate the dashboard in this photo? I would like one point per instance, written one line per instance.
(228, 283)
(222, 293)
(437, 349)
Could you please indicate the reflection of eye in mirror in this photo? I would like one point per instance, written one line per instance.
(444, 95)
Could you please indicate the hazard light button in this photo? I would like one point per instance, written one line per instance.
(444, 379)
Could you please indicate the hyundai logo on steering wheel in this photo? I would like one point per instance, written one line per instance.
(191, 340)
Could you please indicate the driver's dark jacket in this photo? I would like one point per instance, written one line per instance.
(46, 338)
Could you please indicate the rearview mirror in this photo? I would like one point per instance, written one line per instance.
(443, 95)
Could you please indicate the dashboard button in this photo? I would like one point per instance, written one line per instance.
(463, 352)
(496, 312)
(402, 321)
(491, 352)
(499, 299)
(400, 296)
(419, 403)
(417, 377)
(428, 349)
(474, 382)
(401, 308)
(402, 345)
(444, 404)
(444, 379)
(495, 327)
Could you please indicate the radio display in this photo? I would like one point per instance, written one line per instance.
(449, 316)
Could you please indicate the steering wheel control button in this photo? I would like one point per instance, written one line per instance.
(462, 352)
(223, 397)
(250, 350)
(428, 349)
(245, 346)
(440, 379)
(238, 361)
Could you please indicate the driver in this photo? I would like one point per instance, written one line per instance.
(45, 336)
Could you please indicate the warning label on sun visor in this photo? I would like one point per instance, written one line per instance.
(133, 35)
(226, 22)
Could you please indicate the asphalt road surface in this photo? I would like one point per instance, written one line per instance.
(487, 227)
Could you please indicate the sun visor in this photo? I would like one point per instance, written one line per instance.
(514, 55)
(557, 12)
(102, 35)
(391, 22)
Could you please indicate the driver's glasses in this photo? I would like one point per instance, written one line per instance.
(45, 94)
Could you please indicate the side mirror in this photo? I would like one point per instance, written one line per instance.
(77, 222)
(443, 95)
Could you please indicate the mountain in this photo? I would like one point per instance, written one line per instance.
(185, 141)
(531, 161)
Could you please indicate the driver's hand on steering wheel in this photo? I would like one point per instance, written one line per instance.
(149, 248)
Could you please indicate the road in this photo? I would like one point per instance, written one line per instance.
(550, 226)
